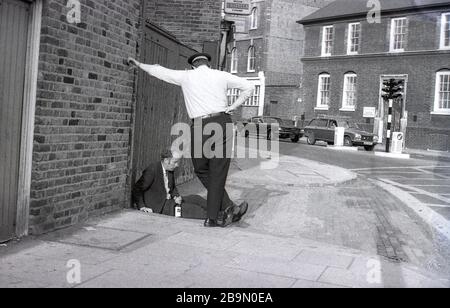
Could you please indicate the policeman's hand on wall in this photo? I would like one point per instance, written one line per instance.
(132, 61)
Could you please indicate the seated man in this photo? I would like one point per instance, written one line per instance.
(156, 192)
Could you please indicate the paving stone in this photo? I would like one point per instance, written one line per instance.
(326, 259)
(267, 248)
(127, 279)
(225, 277)
(98, 237)
(307, 284)
(202, 240)
(308, 271)
(65, 252)
(44, 271)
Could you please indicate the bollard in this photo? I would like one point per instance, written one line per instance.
(339, 136)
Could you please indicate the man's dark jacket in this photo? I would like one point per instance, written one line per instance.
(150, 191)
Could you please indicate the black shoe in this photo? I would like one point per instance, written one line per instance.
(211, 223)
(227, 217)
(243, 208)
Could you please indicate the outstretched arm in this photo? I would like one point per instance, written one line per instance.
(171, 76)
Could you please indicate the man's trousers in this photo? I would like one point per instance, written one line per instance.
(212, 160)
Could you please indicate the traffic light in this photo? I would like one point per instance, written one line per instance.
(393, 88)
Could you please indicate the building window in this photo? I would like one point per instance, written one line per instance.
(323, 96)
(253, 101)
(251, 63)
(349, 94)
(398, 34)
(442, 96)
(233, 95)
(254, 19)
(234, 61)
(445, 31)
(327, 40)
(354, 34)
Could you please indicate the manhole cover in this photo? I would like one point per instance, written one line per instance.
(100, 237)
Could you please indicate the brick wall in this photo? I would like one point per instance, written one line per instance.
(287, 106)
(83, 113)
(285, 39)
(422, 34)
(191, 22)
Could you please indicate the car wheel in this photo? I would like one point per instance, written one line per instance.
(295, 139)
(311, 140)
(369, 148)
(348, 141)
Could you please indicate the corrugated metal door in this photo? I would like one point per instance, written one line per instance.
(159, 104)
(13, 47)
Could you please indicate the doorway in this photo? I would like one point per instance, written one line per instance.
(14, 17)
(273, 108)
(20, 27)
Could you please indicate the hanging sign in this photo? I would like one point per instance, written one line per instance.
(238, 7)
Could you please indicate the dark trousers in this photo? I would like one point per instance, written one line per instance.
(212, 172)
(193, 207)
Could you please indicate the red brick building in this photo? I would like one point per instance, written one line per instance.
(348, 55)
(68, 102)
(267, 53)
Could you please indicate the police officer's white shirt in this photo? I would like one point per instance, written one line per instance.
(204, 89)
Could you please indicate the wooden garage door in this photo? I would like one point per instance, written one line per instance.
(159, 104)
(13, 45)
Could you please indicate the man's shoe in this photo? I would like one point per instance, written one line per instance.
(211, 223)
(227, 218)
(243, 208)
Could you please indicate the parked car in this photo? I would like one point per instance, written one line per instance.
(286, 128)
(323, 129)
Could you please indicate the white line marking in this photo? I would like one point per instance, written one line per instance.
(438, 205)
(433, 173)
(389, 168)
(431, 217)
(418, 190)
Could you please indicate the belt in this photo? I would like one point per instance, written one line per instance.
(212, 115)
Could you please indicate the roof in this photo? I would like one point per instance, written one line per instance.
(353, 8)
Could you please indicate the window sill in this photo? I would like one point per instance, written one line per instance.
(322, 108)
(348, 109)
(250, 71)
(444, 48)
(447, 113)
(397, 51)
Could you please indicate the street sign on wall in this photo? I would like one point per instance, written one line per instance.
(241, 23)
(238, 7)
(369, 112)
